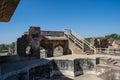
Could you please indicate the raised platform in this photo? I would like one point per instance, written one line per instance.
(66, 67)
(73, 65)
(75, 56)
(76, 65)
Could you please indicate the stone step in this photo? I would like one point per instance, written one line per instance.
(114, 62)
(109, 58)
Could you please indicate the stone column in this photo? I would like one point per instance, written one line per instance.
(22, 43)
(34, 41)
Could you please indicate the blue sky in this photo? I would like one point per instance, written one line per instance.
(86, 17)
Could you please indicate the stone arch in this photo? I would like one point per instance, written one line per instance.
(58, 50)
(27, 50)
(43, 52)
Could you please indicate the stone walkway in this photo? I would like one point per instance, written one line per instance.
(88, 77)
(74, 56)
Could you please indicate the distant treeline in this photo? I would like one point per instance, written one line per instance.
(114, 36)
(103, 42)
(5, 47)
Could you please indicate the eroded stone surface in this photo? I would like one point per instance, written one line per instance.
(7, 8)
(49, 43)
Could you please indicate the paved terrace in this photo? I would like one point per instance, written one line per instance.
(75, 56)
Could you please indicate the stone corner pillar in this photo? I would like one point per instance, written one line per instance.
(34, 41)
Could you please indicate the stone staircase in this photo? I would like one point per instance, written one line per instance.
(112, 61)
(108, 69)
(109, 61)
(78, 42)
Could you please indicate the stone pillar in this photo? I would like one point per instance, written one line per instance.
(22, 43)
(66, 47)
(29, 44)
(34, 41)
(50, 49)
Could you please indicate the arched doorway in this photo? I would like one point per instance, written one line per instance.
(43, 52)
(28, 48)
(58, 51)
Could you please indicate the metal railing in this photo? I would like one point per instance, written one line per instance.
(78, 39)
(81, 42)
(108, 51)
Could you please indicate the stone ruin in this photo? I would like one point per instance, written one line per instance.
(53, 42)
(29, 44)
(69, 67)
(101, 43)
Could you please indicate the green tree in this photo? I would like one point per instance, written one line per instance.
(114, 36)
(12, 45)
(88, 39)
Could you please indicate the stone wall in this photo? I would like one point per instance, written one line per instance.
(29, 44)
(86, 65)
(34, 41)
(22, 43)
(62, 67)
(48, 69)
(107, 73)
(53, 44)
(20, 76)
(74, 48)
(101, 43)
(72, 68)
(40, 72)
(52, 33)
(55, 47)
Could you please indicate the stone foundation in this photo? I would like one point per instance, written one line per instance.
(72, 67)
(47, 69)
(108, 72)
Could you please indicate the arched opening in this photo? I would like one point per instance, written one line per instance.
(28, 50)
(43, 52)
(58, 51)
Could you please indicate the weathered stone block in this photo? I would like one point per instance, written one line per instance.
(7, 8)
(72, 68)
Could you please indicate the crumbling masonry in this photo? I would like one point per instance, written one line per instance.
(53, 42)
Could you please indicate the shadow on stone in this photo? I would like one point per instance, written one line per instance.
(31, 69)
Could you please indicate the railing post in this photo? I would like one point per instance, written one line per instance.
(83, 45)
(79, 40)
(108, 51)
(100, 51)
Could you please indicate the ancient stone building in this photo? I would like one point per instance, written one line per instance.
(32, 43)
(55, 47)
(29, 43)
(100, 42)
